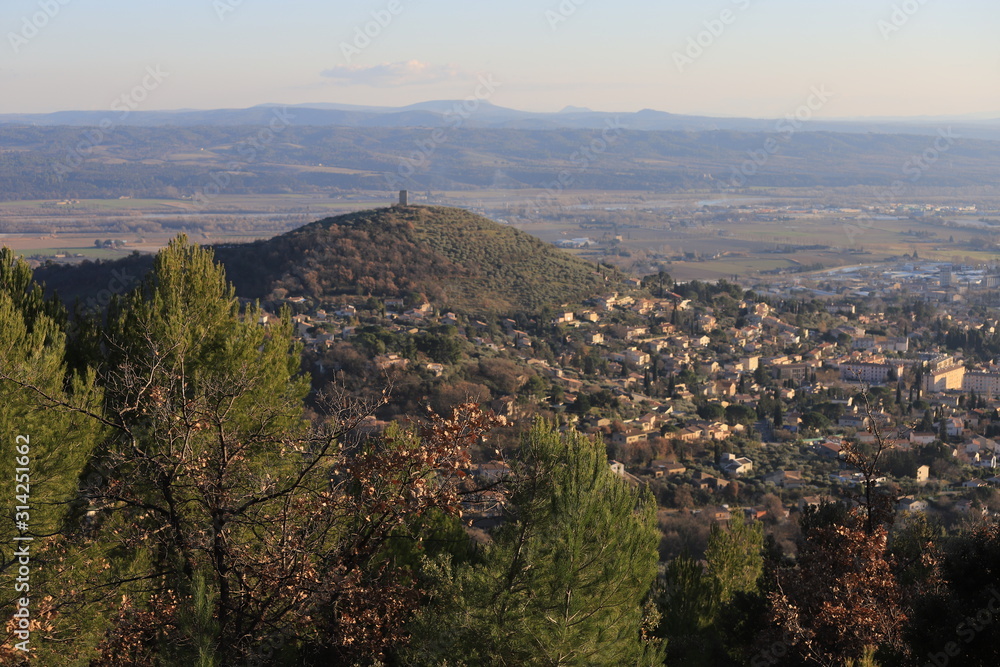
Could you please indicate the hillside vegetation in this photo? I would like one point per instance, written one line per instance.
(457, 259)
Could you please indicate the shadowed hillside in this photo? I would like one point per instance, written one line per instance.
(456, 259)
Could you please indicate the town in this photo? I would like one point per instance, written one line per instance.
(720, 399)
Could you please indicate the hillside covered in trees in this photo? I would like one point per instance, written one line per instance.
(192, 499)
(456, 259)
(187, 502)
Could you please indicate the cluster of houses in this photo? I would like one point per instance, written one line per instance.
(641, 340)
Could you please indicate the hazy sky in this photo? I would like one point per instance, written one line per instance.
(757, 58)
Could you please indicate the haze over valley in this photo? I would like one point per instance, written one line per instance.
(459, 333)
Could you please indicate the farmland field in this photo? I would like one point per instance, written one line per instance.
(696, 235)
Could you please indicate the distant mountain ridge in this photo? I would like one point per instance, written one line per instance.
(440, 113)
(182, 163)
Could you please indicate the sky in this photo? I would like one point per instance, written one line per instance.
(745, 58)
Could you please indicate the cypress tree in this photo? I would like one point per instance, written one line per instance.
(695, 601)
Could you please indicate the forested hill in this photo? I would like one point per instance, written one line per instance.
(454, 258)
(457, 259)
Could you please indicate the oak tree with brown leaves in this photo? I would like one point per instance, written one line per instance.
(842, 598)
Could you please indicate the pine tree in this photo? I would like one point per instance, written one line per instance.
(734, 556)
(695, 601)
(565, 579)
(689, 605)
(48, 437)
(238, 523)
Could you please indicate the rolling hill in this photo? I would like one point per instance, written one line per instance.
(458, 260)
